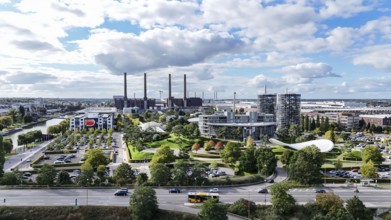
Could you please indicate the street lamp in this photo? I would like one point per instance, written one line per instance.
(87, 191)
(265, 193)
(248, 204)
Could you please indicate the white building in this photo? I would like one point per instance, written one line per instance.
(252, 123)
(97, 118)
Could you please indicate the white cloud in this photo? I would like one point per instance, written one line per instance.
(345, 8)
(376, 56)
(307, 72)
(157, 48)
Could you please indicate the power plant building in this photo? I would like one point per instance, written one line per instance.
(121, 102)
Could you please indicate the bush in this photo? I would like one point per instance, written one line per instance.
(205, 155)
(234, 180)
(61, 152)
(59, 165)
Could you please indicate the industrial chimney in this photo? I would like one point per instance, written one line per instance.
(184, 92)
(125, 92)
(145, 92)
(169, 91)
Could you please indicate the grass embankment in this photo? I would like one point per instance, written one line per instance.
(82, 212)
(138, 155)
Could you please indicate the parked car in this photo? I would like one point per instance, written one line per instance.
(58, 162)
(121, 192)
(270, 180)
(214, 190)
(320, 191)
(221, 173)
(46, 157)
(67, 160)
(174, 190)
(264, 190)
(27, 174)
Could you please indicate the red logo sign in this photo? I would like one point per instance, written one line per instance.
(89, 122)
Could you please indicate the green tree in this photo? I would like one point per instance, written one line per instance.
(282, 202)
(46, 175)
(330, 134)
(357, 209)
(305, 165)
(86, 176)
(101, 171)
(266, 160)
(340, 214)
(96, 157)
(63, 178)
(372, 153)
(143, 203)
(242, 207)
(163, 155)
(293, 132)
(9, 178)
(160, 173)
(211, 210)
(141, 179)
(250, 141)
(338, 164)
(368, 169)
(199, 174)
(207, 146)
(13, 114)
(248, 161)
(2, 156)
(179, 173)
(178, 129)
(124, 173)
(286, 156)
(329, 202)
(231, 152)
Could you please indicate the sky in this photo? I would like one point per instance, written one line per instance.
(322, 49)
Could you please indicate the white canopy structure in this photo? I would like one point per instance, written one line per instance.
(323, 145)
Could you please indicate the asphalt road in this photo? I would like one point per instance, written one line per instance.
(104, 197)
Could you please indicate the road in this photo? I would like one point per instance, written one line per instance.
(104, 197)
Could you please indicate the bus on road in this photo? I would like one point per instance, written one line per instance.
(197, 197)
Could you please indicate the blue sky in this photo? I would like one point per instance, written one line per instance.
(318, 48)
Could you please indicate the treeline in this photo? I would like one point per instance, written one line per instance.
(29, 137)
(62, 127)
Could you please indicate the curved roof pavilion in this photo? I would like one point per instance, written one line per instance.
(323, 145)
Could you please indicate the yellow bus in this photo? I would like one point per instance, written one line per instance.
(198, 197)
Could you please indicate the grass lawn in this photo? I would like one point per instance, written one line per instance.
(174, 142)
(137, 155)
(279, 149)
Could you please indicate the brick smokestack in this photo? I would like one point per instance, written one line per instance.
(169, 90)
(125, 92)
(145, 92)
(184, 92)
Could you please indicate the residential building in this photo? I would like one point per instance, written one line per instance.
(288, 110)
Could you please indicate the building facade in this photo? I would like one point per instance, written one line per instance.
(252, 123)
(97, 118)
(266, 103)
(377, 120)
(288, 110)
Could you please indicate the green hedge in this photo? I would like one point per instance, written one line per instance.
(61, 152)
(234, 180)
(58, 165)
(82, 212)
(37, 160)
(204, 155)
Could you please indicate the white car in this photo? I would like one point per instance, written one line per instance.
(214, 190)
(59, 162)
